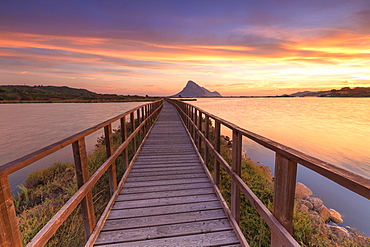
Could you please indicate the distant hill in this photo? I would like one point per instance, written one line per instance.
(343, 92)
(23, 93)
(194, 90)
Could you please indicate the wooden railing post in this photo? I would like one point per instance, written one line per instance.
(132, 120)
(143, 130)
(218, 149)
(83, 174)
(200, 129)
(206, 135)
(138, 124)
(236, 166)
(195, 125)
(284, 190)
(124, 137)
(110, 150)
(9, 231)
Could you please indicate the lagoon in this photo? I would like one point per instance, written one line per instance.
(26, 128)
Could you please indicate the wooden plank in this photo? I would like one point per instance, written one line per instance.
(166, 182)
(153, 172)
(9, 232)
(204, 239)
(165, 177)
(165, 201)
(159, 163)
(128, 190)
(164, 194)
(155, 232)
(118, 213)
(116, 224)
(168, 170)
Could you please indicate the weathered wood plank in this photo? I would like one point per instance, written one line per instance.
(128, 190)
(119, 213)
(165, 231)
(115, 224)
(165, 182)
(164, 194)
(204, 239)
(168, 170)
(165, 177)
(165, 201)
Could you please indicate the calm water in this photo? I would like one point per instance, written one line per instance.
(25, 128)
(336, 130)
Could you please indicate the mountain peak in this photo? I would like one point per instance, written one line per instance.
(194, 90)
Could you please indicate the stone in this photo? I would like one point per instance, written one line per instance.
(302, 208)
(340, 233)
(306, 203)
(302, 191)
(316, 203)
(325, 214)
(335, 216)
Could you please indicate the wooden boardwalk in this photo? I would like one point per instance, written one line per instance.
(167, 199)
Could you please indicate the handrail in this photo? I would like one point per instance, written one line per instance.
(280, 220)
(145, 116)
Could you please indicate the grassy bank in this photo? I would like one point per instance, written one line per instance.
(46, 191)
(309, 230)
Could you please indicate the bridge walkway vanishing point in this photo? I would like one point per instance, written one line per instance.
(168, 199)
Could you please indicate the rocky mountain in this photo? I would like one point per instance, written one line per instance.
(194, 90)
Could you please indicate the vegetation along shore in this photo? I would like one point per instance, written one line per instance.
(44, 193)
(54, 94)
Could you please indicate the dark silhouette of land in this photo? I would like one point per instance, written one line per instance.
(55, 94)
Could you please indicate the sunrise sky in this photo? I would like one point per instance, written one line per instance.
(236, 47)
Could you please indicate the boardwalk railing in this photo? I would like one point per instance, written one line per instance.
(141, 120)
(280, 220)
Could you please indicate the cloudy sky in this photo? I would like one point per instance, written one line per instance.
(235, 47)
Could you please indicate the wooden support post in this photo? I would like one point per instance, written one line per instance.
(138, 124)
(188, 114)
(143, 131)
(110, 150)
(195, 125)
(9, 231)
(132, 120)
(124, 137)
(146, 116)
(200, 129)
(191, 115)
(284, 190)
(217, 148)
(236, 166)
(206, 134)
(83, 174)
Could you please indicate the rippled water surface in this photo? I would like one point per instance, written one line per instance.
(25, 128)
(336, 130)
